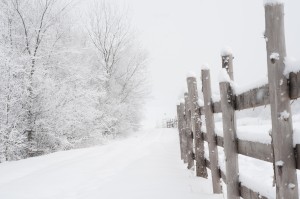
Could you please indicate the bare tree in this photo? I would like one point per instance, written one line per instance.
(121, 59)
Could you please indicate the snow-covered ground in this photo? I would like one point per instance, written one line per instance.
(147, 165)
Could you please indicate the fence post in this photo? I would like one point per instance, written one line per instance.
(210, 131)
(196, 128)
(227, 61)
(183, 131)
(282, 129)
(179, 125)
(189, 133)
(229, 130)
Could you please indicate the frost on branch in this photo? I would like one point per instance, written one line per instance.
(12, 145)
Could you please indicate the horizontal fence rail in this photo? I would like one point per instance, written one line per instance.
(248, 148)
(277, 93)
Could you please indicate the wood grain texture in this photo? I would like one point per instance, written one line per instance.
(196, 127)
(183, 133)
(247, 193)
(188, 133)
(210, 131)
(180, 131)
(297, 155)
(227, 63)
(254, 98)
(219, 139)
(293, 85)
(256, 150)
(230, 140)
(282, 129)
(216, 106)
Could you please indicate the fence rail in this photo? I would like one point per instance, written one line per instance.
(277, 93)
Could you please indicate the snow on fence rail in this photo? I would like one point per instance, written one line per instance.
(277, 93)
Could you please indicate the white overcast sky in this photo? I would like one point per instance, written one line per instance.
(181, 35)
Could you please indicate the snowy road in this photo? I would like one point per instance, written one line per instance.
(145, 166)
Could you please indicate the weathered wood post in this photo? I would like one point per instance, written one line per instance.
(227, 61)
(183, 131)
(210, 130)
(282, 130)
(189, 133)
(229, 128)
(196, 127)
(180, 131)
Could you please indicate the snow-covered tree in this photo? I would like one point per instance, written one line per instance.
(64, 85)
(122, 62)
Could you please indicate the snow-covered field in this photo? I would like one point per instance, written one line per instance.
(147, 165)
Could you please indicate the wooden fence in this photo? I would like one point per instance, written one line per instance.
(277, 93)
(172, 123)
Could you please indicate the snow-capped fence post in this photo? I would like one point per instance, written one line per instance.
(196, 127)
(210, 130)
(229, 128)
(227, 61)
(282, 130)
(189, 133)
(179, 126)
